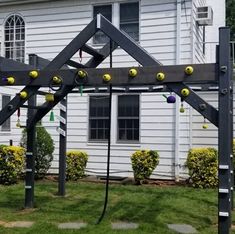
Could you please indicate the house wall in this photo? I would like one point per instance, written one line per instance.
(171, 39)
(212, 36)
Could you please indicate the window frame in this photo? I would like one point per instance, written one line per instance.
(8, 121)
(14, 42)
(90, 140)
(112, 15)
(126, 141)
(130, 2)
(115, 10)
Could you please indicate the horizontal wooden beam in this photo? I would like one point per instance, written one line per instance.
(202, 74)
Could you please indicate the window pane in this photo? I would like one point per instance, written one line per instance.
(106, 11)
(6, 126)
(129, 19)
(98, 117)
(128, 117)
(15, 34)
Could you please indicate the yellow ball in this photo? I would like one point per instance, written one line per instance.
(133, 72)
(49, 97)
(188, 70)
(160, 76)
(185, 92)
(10, 80)
(23, 95)
(106, 77)
(33, 74)
(82, 74)
(56, 79)
(18, 125)
(182, 110)
(204, 126)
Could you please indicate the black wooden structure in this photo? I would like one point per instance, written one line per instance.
(63, 75)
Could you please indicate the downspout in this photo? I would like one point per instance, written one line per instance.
(177, 115)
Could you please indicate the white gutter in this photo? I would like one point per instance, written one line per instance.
(177, 103)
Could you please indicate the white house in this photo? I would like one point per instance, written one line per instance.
(168, 29)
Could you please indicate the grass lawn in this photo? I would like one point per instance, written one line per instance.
(153, 207)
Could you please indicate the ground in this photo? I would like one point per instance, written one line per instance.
(151, 206)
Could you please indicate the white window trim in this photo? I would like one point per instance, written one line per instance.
(127, 142)
(114, 123)
(2, 46)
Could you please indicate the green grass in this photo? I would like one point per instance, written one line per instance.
(153, 207)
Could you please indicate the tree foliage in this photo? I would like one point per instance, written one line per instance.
(230, 16)
(44, 150)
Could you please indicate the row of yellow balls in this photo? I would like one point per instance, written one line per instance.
(133, 73)
(106, 77)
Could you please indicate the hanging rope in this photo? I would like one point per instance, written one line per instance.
(109, 142)
(80, 55)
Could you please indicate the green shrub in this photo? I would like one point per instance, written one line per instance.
(202, 164)
(12, 163)
(143, 163)
(2, 146)
(44, 151)
(76, 164)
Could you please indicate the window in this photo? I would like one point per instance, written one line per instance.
(129, 19)
(128, 117)
(15, 38)
(6, 126)
(106, 11)
(98, 118)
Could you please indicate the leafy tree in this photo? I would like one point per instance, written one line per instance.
(230, 16)
(44, 150)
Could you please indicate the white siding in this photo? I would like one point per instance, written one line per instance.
(212, 32)
(158, 29)
(197, 32)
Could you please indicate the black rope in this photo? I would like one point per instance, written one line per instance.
(108, 158)
(109, 143)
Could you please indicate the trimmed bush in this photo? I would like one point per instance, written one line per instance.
(76, 164)
(11, 164)
(143, 164)
(202, 164)
(44, 151)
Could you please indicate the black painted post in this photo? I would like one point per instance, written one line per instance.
(30, 154)
(62, 147)
(224, 191)
(231, 130)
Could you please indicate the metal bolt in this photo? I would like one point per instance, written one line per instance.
(202, 106)
(223, 69)
(224, 91)
(10, 107)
